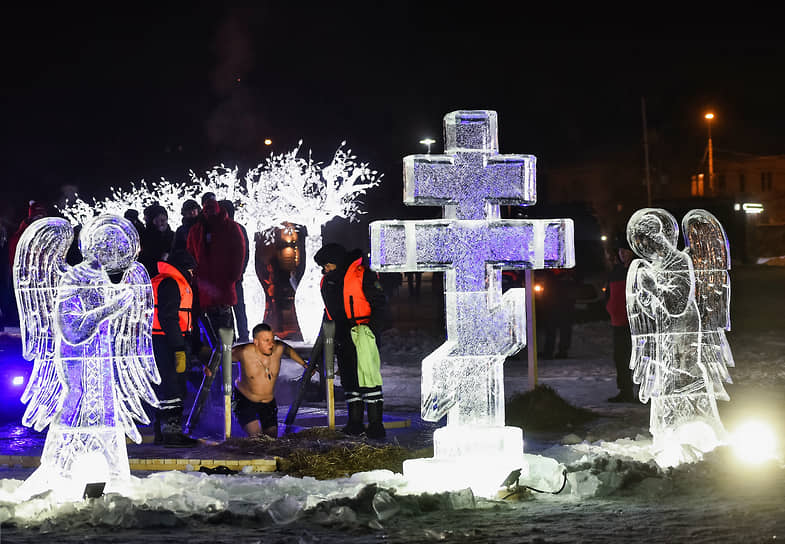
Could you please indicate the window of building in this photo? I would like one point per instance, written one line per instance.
(742, 183)
(763, 181)
(769, 179)
(721, 182)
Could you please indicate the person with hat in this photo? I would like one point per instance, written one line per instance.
(190, 215)
(172, 327)
(354, 300)
(156, 239)
(133, 216)
(617, 309)
(217, 244)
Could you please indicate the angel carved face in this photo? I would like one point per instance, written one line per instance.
(111, 241)
(651, 235)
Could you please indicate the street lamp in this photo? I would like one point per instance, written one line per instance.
(709, 116)
(428, 142)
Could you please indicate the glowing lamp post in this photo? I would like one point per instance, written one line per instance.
(427, 142)
(709, 117)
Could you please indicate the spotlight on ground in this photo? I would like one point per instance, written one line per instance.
(754, 442)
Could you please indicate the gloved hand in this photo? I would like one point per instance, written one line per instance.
(179, 359)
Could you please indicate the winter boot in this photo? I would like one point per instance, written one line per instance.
(375, 424)
(172, 434)
(354, 425)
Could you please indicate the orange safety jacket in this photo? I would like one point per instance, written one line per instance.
(165, 271)
(355, 305)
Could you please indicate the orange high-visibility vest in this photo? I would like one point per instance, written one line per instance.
(355, 305)
(165, 270)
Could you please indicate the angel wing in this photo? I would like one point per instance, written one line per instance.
(707, 244)
(135, 368)
(38, 267)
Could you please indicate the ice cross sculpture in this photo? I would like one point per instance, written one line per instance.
(464, 377)
(678, 305)
(90, 338)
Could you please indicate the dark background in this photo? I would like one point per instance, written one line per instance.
(99, 96)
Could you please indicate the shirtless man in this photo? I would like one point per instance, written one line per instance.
(253, 397)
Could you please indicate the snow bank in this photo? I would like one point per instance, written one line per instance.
(601, 469)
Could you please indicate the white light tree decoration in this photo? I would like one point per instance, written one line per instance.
(91, 342)
(678, 305)
(168, 194)
(464, 377)
(251, 212)
(301, 191)
(285, 188)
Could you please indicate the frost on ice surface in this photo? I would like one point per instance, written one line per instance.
(678, 304)
(463, 378)
(90, 340)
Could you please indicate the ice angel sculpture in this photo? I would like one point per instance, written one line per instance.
(678, 304)
(90, 339)
(464, 378)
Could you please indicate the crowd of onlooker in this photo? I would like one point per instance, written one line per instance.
(197, 270)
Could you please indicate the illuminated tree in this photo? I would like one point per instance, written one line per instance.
(284, 189)
(288, 188)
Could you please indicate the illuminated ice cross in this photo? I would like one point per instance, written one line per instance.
(464, 377)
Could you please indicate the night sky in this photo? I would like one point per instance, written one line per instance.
(112, 95)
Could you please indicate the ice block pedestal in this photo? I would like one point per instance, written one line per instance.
(474, 456)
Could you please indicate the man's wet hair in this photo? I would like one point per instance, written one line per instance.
(261, 327)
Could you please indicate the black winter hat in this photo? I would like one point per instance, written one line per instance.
(190, 205)
(154, 210)
(330, 253)
(182, 260)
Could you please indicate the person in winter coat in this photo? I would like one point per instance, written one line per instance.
(217, 245)
(35, 211)
(239, 308)
(156, 239)
(617, 309)
(172, 328)
(190, 214)
(353, 296)
(558, 311)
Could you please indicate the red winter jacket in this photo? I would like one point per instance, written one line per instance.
(218, 247)
(617, 299)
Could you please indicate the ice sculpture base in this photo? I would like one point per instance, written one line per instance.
(473, 456)
(76, 456)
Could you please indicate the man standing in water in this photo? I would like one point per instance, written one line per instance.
(253, 397)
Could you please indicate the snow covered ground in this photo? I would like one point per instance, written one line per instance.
(614, 490)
